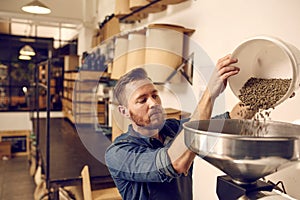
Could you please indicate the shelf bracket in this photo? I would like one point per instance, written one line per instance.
(190, 59)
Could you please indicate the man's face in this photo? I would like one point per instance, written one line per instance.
(144, 105)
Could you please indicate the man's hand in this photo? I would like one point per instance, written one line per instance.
(224, 69)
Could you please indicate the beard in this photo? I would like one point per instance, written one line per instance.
(155, 119)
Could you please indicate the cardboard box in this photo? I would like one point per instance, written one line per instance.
(177, 114)
(5, 149)
(5, 27)
(71, 62)
(97, 38)
(110, 28)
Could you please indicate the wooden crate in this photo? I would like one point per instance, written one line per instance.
(71, 62)
(177, 114)
(15, 137)
(5, 149)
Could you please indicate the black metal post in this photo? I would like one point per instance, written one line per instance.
(37, 136)
(48, 142)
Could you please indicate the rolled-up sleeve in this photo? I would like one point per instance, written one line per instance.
(163, 163)
(135, 162)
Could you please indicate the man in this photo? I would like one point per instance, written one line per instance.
(151, 160)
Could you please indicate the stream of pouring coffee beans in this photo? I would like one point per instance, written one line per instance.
(258, 95)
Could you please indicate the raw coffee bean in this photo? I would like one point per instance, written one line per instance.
(259, 95)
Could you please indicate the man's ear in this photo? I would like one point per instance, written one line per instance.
(124, 111)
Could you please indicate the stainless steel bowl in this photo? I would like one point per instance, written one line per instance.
(243, 150)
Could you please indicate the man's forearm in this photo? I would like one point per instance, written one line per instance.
(204, 107)
(181, 157)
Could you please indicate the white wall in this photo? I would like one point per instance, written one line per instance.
(15, 121)
(220, 27)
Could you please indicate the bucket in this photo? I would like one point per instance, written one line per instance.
(120, 57)
(164, 50)
(165, 44)
(122, 8)
(266, 57)
(136, 50)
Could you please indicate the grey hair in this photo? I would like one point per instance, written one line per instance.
(119, 89)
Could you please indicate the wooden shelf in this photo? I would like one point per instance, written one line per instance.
(77, 107)
(20, 147)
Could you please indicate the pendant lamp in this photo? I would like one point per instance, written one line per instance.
(23, 57)
(27, 51)
(36, 7)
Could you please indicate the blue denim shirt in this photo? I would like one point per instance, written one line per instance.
(141, 167)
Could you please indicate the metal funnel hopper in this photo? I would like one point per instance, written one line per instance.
(245, 150)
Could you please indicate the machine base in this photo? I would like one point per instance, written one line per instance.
(227, 189)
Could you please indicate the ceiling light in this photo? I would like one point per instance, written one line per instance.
(36, 7)
(27, 51)
(23, 57)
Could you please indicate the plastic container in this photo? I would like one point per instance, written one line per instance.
(266, 57)
(136, 49)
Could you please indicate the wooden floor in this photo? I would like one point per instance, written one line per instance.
(15, 180)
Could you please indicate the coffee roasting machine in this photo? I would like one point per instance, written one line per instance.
(246, 157)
